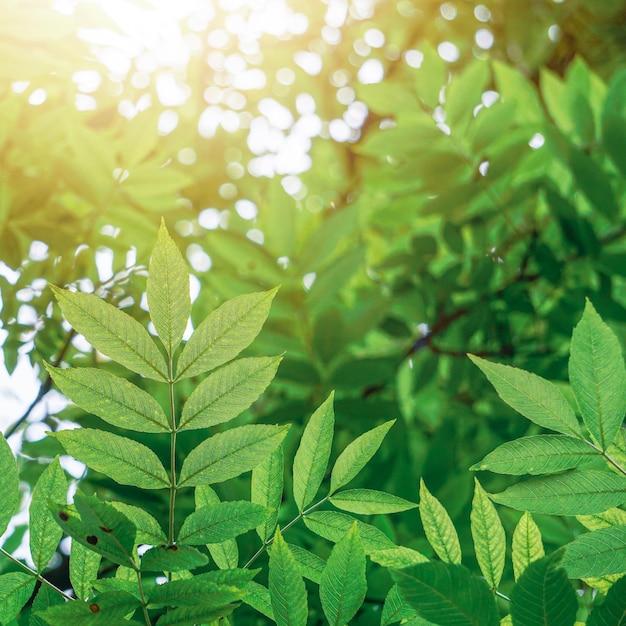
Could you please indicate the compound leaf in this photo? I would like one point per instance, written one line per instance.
(227, 392)
(224, 333)
(125, 461)
(111, 398)
(312, 456)
(113, 332)
(167, 290)
(229, 454)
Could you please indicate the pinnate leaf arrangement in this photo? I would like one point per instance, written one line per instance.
(191, 571)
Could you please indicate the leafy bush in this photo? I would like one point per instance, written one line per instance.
(125, 567)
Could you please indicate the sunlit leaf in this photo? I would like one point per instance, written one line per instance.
(193, 592)
(84, 565)
(148, 529)
(10, 484)
(258, 597)
(527, 544)
(310, 565)
(267, 490)
(598, 553)
(604, 519)
(369, 502)
(15, 590)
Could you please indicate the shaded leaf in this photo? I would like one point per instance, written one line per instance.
(543, 596)
(189, 616)
(612, 612)
(229, 454)
(438, 527)
(172, 559)
(538, 454)
(111, 398)
(311, 459)
(536, 398)
(199, 590)
(343, 584)
(45, 598)
(167, 290)
(224, 333)
(598, 377)
(447, 594)
(258, 597)
(227, 392)
(124, 460)
(488, 536)
(356, 455)
(113, 332)
(527, 544)
(149, 531)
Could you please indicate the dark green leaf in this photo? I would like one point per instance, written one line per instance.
(598, 553)
(172, 559)
(9, 486)
(45, 598)
(267, 490)
(199, 590)
(613, 611)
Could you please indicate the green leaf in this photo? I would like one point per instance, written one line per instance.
(258, 597)
(397, 557)
(395, 609)
(334, 526)
(356, 455)
(578, 492)
(612, 612)
(224, 333)
(488, 536)
(225, 553)
(194, 591)
(16, 588)
(598, 377)
(111, 398)
(189, 616)
(167, 289)
(369, 502)
(311, 460)
(106, 609)
(343, 585)
(431, 76)
(605, 519)
(310, 565)
(598, 553)
(287, 589)
(218, 522)
(45, 533)
(224, 394)
(9, 485)
(543, 596)
(172, 559)
(538, 454)
(527, 544)
(98, 526)
(149, 531)
(45, 598)
(113, 332)
(229, 454)
(124, 460)
(537, 399)
(447, 594)
(84, 566)
(267, 490)
(438, 527)
(464, 92)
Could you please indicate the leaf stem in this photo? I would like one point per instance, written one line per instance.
(142, 595)
(39, 577)
(501, 595)
(173, 485)
(295, 520)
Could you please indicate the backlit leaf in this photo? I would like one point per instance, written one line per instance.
(267, 490)
(227, 392)
(168, 291)
(598, 553)
(84, 565)
(312, 456)
(148, 529)
(343, 584)
(45, 533)
(527, 544)
(447, 594)
(369, 502)
(538, 454)
(218, 522)
(397, 557)
(194, 591)
(543, 596)
(438, 527)
(229, 454)
(488, 536)
(310, 565)
(16, 588)
(115, 333)
(111, 398)
(579, 492)
(258, 597)
(536, 398)
(224, 333)
(356, 455)
(395, 609)
(287, 589)
(188, 616)
(598, 377)
(126, 461)
(9, 485)
(605, 519)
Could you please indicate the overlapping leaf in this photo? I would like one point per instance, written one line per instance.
(370, 502)
(172, 559)
(9, 485)
(84, 565)
(16, 589)
(598, 553)
(267, 490)
(613, 609)
(527, 544)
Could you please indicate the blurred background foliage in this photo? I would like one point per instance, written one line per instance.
(423, 179)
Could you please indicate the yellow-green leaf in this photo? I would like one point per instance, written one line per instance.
(527, 544)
